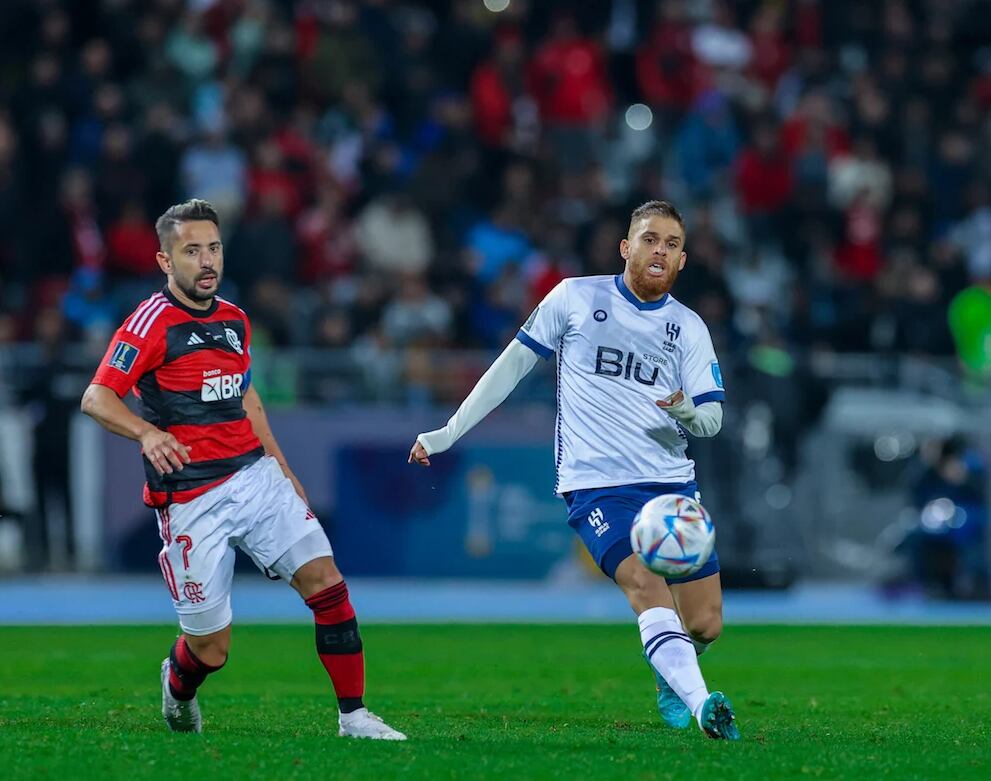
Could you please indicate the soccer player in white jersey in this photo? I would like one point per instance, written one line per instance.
(636, 374)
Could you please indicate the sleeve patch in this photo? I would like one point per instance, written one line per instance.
(717, 374)
(123, 357)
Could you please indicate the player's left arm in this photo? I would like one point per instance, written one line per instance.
(255, 411)
(705, 420)
(698, 404)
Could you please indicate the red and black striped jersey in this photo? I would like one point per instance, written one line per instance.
(190, 369)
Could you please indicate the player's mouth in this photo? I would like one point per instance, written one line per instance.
(206, 281)
(656, 269)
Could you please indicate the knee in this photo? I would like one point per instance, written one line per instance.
(704, 626)
(316, 576)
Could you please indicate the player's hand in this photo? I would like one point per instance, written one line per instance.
(673, 400)
(166, 453)
(417, 455)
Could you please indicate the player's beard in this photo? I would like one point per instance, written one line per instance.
(649, 287)
(193, 291)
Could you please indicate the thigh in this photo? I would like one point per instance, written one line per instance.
(197, 562)
(280, 523)
(643, 589)
(602, 519)
(697, 599)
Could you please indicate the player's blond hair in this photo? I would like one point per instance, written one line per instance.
(656, 209)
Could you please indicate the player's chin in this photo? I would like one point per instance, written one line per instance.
(204, 290)
(655, 285)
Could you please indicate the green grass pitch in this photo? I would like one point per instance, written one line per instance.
(503, 702)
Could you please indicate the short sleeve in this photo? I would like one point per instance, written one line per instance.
(128, 358)
(701, 377)
(547, 323)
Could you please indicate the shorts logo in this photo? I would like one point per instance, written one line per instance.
(717, 374)
(224, 386)
(233, 340)
(193, 592)
(595, 520)
(123, 357)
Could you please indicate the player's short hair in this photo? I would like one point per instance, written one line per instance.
(188, 211)
(657, 209)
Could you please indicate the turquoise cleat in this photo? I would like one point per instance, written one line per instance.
(673, 711)
(718, 720)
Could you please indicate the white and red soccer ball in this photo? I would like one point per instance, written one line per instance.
(673, 535)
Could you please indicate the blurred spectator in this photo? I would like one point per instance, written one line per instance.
(946, 550)
(707, 144)
(132, 243)
(666, 68)
(190, 50)
(394, 236)
(495, 242)
(763, 183)
(216, 170)
(263, 246)
(87, 307)
(416, 316)
(326, 238)
(498, 90)
(970, 324)
(51, 396)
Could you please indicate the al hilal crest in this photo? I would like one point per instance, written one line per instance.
(233, 340)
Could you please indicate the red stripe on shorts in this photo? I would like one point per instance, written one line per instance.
(166, 567)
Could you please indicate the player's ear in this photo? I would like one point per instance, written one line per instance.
(624, 249)
(164, 262)
(682, 261)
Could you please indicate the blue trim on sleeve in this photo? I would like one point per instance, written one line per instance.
(641, 305)
(702, 398)
(524, 338)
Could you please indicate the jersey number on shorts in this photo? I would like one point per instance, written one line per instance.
(187, 545)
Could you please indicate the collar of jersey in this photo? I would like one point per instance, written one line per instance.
(200, 313)
(641, 305)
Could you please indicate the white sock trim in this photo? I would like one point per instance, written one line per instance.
(655, 615)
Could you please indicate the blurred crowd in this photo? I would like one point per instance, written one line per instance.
(402, 172)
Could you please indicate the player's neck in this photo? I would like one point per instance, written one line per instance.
(652, 299)
(186, 301)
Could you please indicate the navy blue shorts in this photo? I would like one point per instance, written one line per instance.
(603, 517)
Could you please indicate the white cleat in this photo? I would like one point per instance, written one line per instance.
(362, 723)
(179, 715)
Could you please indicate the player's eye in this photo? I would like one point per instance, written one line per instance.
(672, 244)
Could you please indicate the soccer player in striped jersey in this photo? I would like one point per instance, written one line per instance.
(636, 374)
(216, 477)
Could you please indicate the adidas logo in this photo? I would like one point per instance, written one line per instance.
(194, 339)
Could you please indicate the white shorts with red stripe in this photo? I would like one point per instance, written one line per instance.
(256, 510)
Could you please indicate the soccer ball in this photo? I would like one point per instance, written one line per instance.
(673, 535)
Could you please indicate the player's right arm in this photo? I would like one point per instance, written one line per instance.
(544, 327)
(137, 348)
(162, 449)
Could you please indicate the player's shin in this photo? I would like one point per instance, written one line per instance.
(186, 671)
(339, 645)
(670, 651)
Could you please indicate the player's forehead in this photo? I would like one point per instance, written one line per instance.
(658, 224)
(196, 232)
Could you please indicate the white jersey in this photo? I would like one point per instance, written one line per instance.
(616, 356)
